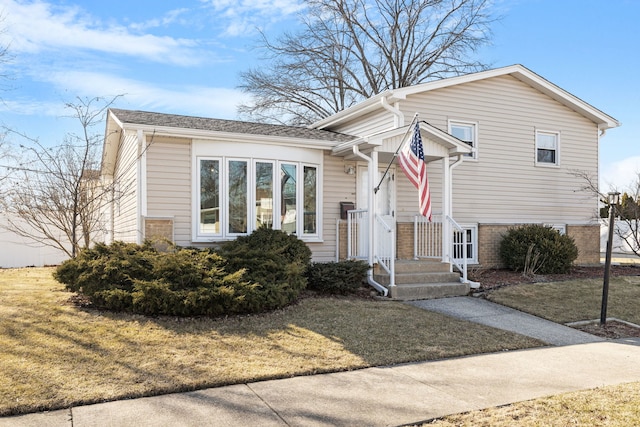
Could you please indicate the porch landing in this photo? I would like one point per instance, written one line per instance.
(423, 279)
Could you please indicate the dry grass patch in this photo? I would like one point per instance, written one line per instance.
(54, 354)
(573, 300)
(614, 406)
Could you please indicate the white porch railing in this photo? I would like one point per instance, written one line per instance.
(458, 247)
(385, 248)
(358, 241)
(429, 237)
(357, 234)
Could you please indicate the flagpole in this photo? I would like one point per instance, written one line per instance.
(415, 116)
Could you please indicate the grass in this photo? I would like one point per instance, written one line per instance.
(574, 300)
(564, 302)
(614, 406)
(54, 354)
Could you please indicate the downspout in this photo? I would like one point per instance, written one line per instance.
(399, 117)
(141, 178)
(371, 207)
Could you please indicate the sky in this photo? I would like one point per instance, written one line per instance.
(185, 56)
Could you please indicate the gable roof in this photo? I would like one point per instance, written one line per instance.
(603, 120)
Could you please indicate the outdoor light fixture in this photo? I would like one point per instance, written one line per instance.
(613, 199)
(350, 170)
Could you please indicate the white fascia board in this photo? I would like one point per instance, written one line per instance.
(370, 104)
(112, 136)
(233, 137)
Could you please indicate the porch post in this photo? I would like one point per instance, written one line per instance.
(373, 179)
(446, 209)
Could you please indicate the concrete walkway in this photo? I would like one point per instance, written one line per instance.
(384, 396)
(498, 316)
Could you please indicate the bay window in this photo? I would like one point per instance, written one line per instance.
(236, 196)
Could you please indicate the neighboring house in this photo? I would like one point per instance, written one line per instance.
(501, 146)
(18, 251)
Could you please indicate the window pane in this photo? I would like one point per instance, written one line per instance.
(547, 141)
(264, 195)
(547, 156)
(237, 196)
(288, 191)
(463, 133)
(210, 196)
(310, 200)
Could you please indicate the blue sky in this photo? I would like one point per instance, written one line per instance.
(184, 57)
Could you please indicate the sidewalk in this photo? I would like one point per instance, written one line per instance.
(382, 396)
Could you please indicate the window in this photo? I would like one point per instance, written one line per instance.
(236, 196)
(264, 194)
(466, 132)
(547, 148)
(210, 196)
(470, 237)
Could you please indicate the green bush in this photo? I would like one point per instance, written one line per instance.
(537, 249)
(342, 277)
(274, 260)
(262, 274)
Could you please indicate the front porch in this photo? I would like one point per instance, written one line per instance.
(414, 260)
(387, 201)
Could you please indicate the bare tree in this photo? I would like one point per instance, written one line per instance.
(349, 50)
(627, 223)
(55, 196)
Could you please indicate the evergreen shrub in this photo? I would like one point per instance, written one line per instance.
(537, 249)
(261, 274)
(343, 277)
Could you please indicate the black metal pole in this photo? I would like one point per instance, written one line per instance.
(607, 265)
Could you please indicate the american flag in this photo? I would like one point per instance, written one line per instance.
(414, 167)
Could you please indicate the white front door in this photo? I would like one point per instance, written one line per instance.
(385, 198)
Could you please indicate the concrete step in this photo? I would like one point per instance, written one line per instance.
(421, 266)
(417, 278)
(410, 292)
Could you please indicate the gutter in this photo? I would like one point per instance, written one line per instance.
(370, 280)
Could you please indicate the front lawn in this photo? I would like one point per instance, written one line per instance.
(573, 300)
(54, 354)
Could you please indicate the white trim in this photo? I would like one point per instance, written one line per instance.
(535, 143)
(473, 227)
(141, 179)
(224, 233)
(234, 137)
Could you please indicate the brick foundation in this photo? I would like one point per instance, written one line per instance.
(587, 238)
(489, 238)
(158, 229)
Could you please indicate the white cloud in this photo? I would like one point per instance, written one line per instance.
(242, 17)
(37, 27)
(183, 99)
(621, 175)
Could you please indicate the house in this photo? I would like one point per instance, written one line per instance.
(501, 148)
(19, 251)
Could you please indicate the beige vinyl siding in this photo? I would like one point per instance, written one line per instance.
(505, 185)
(125, 211)
(337, 187)
(369, 124)
(169, 184)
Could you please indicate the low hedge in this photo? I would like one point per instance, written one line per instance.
(260, 274)
(341, 277)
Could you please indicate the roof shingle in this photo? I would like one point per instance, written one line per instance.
(231, 126)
